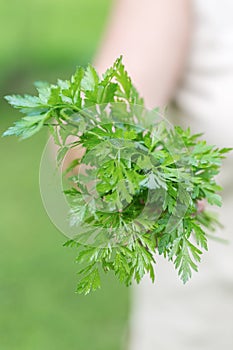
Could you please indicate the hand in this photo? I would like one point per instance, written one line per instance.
(201, 205)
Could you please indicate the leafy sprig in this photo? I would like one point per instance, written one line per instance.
(138, 195)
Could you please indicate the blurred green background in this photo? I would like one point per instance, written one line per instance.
(45, 40)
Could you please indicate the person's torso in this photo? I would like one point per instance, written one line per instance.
(205, 96)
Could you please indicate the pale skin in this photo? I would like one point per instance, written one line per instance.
(153, 36)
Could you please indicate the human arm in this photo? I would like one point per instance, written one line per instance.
(153, 37)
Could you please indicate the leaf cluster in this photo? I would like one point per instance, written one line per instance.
(139, 194)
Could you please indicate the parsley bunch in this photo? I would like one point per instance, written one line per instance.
(134, 192)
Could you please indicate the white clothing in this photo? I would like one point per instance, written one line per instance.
(198, 315)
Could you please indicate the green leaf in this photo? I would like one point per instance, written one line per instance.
(55, 97)
(89, 283)
(44, 91)
(91, 79)
(213, 198)
(184, 259)
(26, 127)
(26, 101)
(200, 236)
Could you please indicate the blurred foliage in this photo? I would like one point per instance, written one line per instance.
(45, 37)
(38, 307)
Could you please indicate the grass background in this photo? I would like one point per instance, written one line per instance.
(44, 40)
